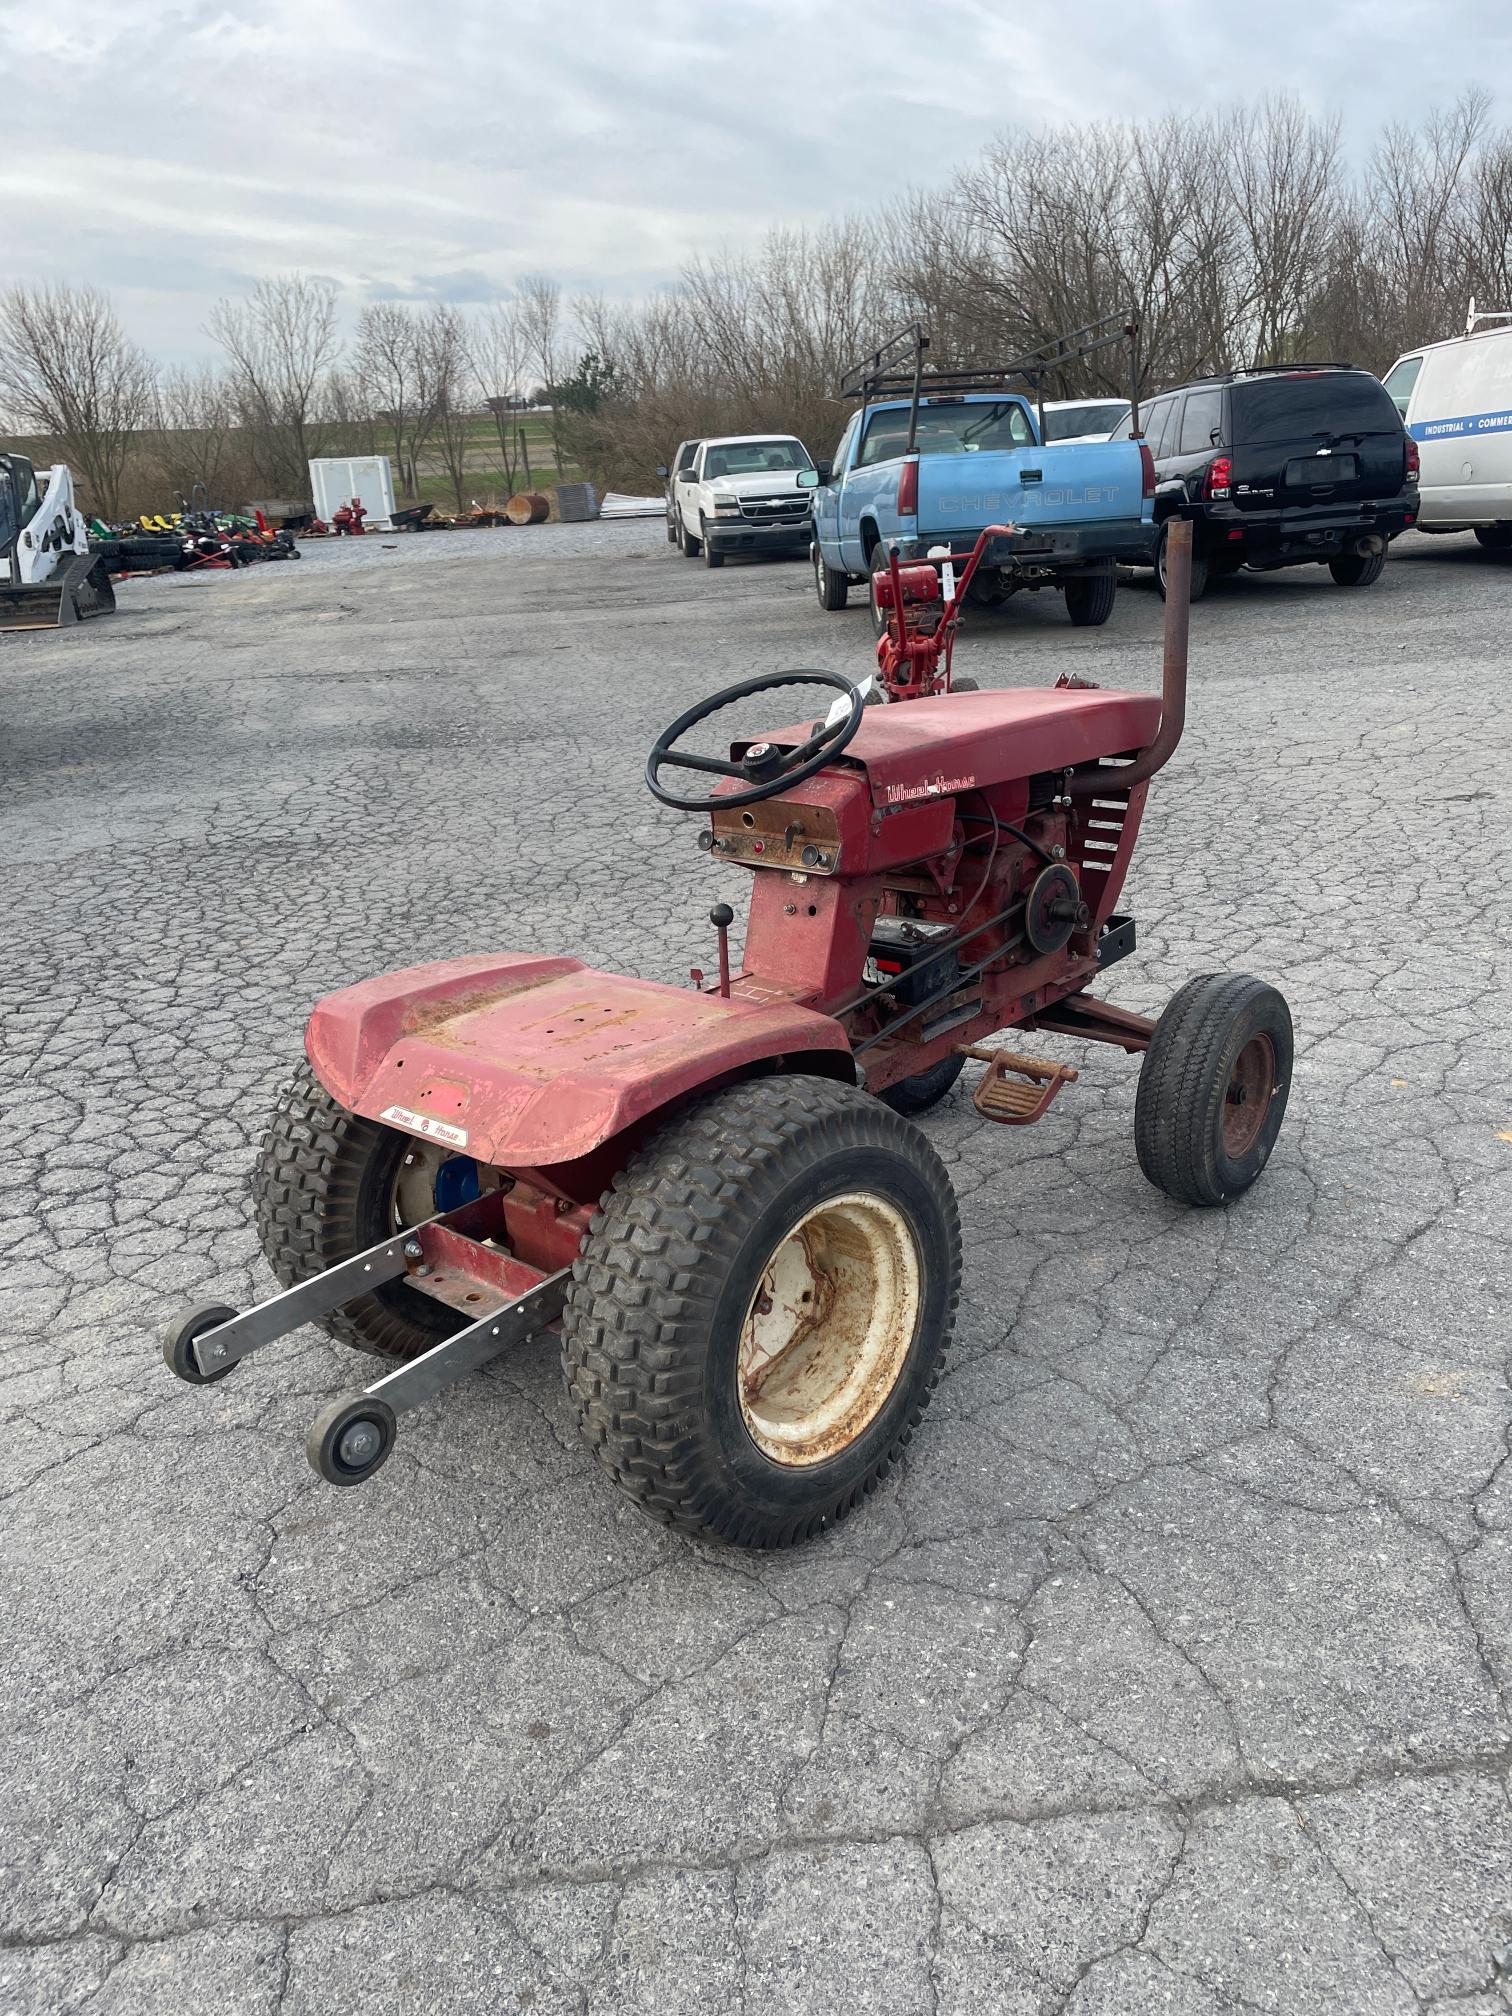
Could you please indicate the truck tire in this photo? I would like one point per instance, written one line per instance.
(1213, 1088)
(711, 557)
(1199, 569)
(327, 1184)
(701, 1382)
(690, 545)
(671, 533)
(1495, 538)
(876, 562)
(1357, 570)
(830, 585)
(1089, 603)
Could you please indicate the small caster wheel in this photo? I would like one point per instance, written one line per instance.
(181, 1333)
(351, 1439)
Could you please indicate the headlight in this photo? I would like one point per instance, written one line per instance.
(726, 507)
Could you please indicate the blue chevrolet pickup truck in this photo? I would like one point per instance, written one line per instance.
(928, 469)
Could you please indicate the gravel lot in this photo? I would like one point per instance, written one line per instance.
(1172, 1672)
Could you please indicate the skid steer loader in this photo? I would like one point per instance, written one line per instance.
(48, 575)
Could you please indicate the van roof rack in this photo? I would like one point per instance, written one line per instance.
(896, 369)
(1484, 315)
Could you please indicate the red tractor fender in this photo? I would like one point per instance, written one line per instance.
(523, 1062)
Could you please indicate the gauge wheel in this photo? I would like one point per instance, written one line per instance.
(1213, 1088)
(329, 1184)
(761, 1308)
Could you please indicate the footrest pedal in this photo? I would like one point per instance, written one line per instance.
(1015, 1090)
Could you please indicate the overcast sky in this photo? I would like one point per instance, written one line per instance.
(172, 151)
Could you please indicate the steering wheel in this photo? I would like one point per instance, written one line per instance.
(765, 769)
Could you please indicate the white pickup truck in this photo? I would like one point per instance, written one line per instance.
(739, 493)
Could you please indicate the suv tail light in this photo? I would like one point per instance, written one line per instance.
(1219, 476)
(1414, 460)
(1147, 464)
(908, 488)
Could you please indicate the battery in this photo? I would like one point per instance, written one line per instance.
(910, 955)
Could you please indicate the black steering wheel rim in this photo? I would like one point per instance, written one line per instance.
(784, 769)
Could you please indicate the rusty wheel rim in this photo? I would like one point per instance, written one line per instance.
(1247, 1096)
(828, 1329)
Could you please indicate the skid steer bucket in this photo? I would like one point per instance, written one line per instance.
(81, 588)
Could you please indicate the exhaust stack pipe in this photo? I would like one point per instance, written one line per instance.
(1173, 675)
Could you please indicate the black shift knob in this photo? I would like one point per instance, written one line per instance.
(721, 916)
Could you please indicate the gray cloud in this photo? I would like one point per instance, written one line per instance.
(173, 152)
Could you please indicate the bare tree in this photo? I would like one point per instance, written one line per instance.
(197, 443)
(499, 358)
(540, 304)
(1281, 177)
(282, 344)
(445, 339)
(68, 370)
(387, 368)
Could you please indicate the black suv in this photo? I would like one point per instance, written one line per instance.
(1280, 467)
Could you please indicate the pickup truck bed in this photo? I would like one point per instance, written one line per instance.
(1077, 509)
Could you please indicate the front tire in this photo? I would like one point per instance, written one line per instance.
(329, 1184)
(712, 558)
(1199, 569)
(830, 585)
(1213, 1088)
(924, 1091)
(1357, 570)
(690, 546)
(1089, 603)
(760, 1311)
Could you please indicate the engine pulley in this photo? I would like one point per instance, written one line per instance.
(1054, 909)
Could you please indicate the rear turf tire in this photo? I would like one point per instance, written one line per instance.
(1213, 1088)
(672, 1286)
(323, 1190)
(924, 1091)
(1357, 570)
(1089, 603)
(830, 585)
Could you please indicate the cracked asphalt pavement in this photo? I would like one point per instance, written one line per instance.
(1171, 1671)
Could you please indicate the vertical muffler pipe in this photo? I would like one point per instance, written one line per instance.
(1173, 674)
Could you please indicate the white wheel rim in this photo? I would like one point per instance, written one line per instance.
(828, 1329)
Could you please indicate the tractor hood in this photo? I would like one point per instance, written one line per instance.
(523, 1062)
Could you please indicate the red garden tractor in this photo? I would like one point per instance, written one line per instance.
(722, 1193)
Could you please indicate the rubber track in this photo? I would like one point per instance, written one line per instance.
(1173, 1108)
(656, 1254)
(305, 1195)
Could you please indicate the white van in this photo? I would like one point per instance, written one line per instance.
(1455, 399)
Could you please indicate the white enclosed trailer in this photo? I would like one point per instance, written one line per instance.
(336, 479)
